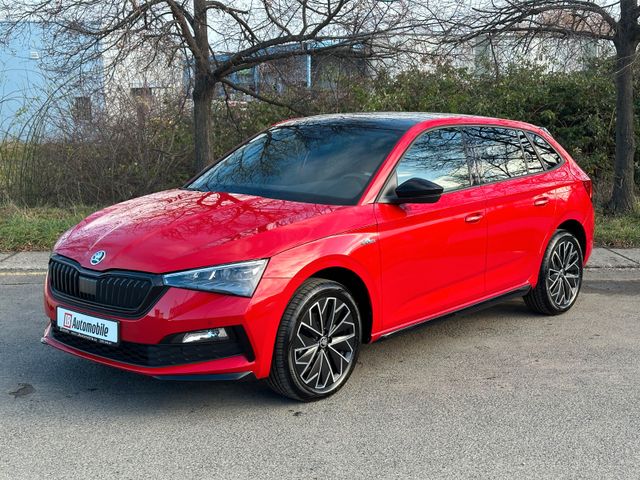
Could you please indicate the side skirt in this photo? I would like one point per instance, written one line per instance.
(520, 292)
(220, 377)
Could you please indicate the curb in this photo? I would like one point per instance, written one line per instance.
(24, 262)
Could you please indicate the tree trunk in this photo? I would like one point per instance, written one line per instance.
(203, 89)
(623, 197)
(202, 97)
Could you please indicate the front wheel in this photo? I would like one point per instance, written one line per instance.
(317, 343)
(560, 276)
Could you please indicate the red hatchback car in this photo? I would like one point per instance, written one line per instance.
(315, 236)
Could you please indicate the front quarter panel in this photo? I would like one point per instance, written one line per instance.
(356, 250)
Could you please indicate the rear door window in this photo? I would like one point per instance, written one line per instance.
(496, 152)
(548, 155)
(438, 156)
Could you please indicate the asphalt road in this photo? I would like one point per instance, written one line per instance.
(497, 394)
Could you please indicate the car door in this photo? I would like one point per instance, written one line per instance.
(520, 204)
(432, 255)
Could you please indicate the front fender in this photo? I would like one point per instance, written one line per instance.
(356, 251)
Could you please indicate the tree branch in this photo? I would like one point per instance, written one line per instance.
(262, 98)
(511, 17)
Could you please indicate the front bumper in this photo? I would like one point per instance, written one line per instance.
(143, 344)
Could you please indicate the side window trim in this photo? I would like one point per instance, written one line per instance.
(525, 139)
(475, 178)
(535, 148)
(524, 153)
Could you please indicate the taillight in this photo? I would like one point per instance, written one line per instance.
(588, 186)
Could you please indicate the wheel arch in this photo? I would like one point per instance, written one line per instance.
(571, 224)
(351, 259)
(358, 289)
(577, 230)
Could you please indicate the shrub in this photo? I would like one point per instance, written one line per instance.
(129, 154)
(578, 108)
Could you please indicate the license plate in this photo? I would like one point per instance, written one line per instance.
(86, 326)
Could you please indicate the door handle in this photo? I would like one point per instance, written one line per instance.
(474, 217)
(541, 202)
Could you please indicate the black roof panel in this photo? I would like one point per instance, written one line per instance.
(398, 120)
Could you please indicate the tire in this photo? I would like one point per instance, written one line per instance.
(560, 276)
(314, 356)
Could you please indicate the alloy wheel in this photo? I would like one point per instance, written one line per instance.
(564, 274)
(324, 345)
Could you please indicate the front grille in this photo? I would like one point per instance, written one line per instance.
(127, 294)
(156, 355)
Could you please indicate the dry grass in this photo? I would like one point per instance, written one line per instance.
(24, 229)
(621, 231)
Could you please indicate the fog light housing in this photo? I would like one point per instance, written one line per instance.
(211, 335)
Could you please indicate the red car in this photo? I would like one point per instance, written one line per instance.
(318, 235)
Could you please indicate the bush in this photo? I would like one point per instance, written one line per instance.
(121, 156)
(578, 108)
(131, 154)
(107, 160)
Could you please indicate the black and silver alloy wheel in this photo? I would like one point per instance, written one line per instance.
(324, 344)
(317, 343)
(560, 276)
(564, 274)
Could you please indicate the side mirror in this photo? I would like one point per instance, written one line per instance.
(417, 190)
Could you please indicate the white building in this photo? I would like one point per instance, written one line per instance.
(496, 54)
(142, 79)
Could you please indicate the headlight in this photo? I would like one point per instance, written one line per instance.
(235, 278)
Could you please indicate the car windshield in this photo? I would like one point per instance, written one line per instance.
(328, 162)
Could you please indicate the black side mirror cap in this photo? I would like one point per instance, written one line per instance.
(417, 190)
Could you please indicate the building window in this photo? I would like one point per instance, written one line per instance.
(142, 93)
(82, 109)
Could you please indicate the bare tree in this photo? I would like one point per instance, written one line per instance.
(250, 32)
(616, 22)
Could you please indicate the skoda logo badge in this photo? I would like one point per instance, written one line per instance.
(97, 257)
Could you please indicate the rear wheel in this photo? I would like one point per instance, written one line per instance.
(560, 276)
(317, 343)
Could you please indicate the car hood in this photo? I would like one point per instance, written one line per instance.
(182, 229)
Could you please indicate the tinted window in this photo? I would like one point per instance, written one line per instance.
(549, 156)
(533, 161)
(437, 156)
(497, 152)
(328, 162)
